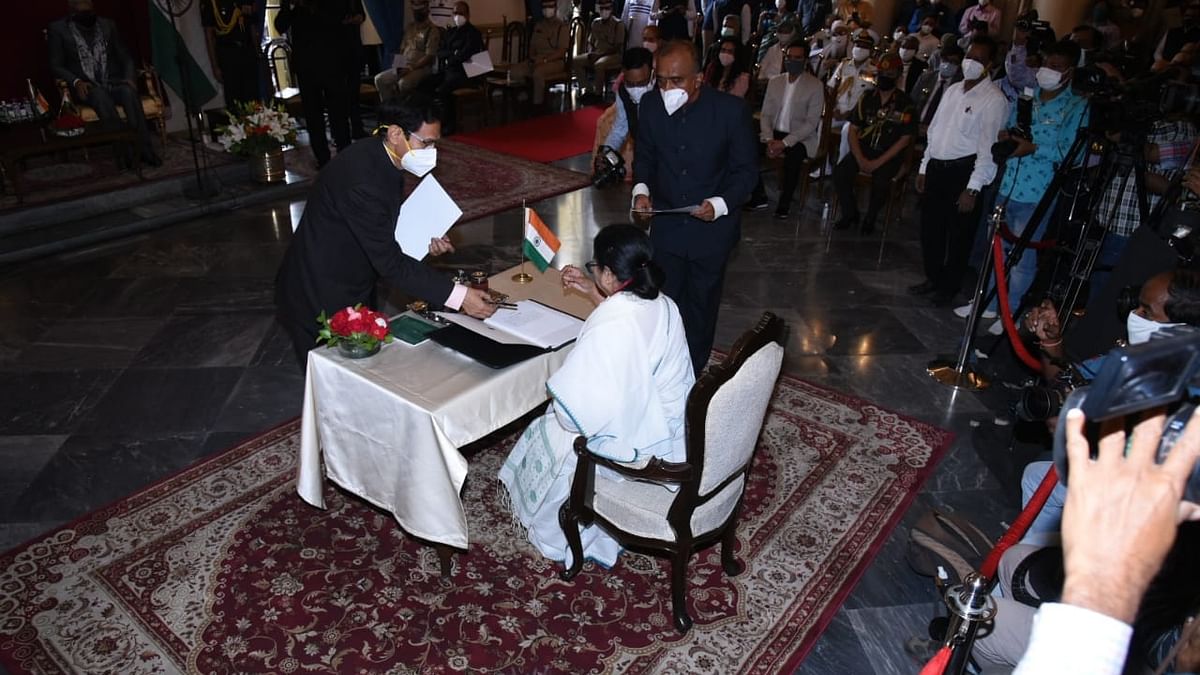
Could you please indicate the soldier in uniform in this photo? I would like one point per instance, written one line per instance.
(547, 51)
(606, 40)
(419, 48)
(230, 31)
(882, 125)
(849, 85)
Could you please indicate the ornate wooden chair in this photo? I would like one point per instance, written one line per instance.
(513, 49)
(724, 415)
(820, 161)
(154, 106)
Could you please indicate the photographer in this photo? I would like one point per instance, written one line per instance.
(1120, 521)
(636, 64)
(1057, 114)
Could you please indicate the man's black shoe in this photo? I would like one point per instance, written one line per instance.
(942, 299)
(781, 215)
(757, 204)
(923, 288)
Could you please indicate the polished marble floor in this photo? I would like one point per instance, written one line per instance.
(125, 363)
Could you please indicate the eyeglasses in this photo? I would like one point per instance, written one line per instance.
(591, 266)
(425, 142)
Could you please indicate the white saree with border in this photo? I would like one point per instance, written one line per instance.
(624, 386)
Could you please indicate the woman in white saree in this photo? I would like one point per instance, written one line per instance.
(623, 386)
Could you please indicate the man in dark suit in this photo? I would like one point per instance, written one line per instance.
(911, 67)
(87, 53)
(457, 46)
(346, 240)
(695, 148)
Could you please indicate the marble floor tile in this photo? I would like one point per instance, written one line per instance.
(23, 458)
(71, 344)
(264, 397)
(161, 401)
(219, 441)
(885, 631)
(838, 650)
(206, 341)
(214, 295)
(13, 534)
(50, 403)
(141, 297)
(276, 349)
(89, 472)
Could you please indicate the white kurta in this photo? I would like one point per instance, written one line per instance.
(624, 386)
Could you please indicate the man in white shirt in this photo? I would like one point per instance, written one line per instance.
(957, 164)
(986, 12)
(790, 124)
(636, 16)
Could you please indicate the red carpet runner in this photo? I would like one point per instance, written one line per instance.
(541, 139)
(222, 569)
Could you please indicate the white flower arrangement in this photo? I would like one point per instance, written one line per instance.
(255, 128)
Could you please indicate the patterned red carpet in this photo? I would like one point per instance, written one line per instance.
(222, 569)
(541, 139)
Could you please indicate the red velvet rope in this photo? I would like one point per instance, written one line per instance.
(937, 665)
(1005, 311)
(1021, 525)
(1035, 245)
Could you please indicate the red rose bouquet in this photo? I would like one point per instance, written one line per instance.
(356, 327)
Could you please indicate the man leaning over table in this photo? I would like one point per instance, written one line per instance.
(345, 242)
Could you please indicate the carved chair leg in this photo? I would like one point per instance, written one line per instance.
(729, 561)
(679, 563)
(569, 523)
(445, 559)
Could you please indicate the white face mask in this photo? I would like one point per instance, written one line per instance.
(548, 12)
(860, 53)
(728, 31)
(725, 59)
(605, 13)
(972, 70)
(1140, 329)
(907, 55)
(419, 162)
(926, 29)
(636, 93)
(781, 5)
(1049, 79)
(673, 99)
(1136, 12)
(460, 20)
(652, 46)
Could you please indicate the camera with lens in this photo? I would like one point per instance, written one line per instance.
(1041, 402)
(1002, 150)
(609, 168)
(1159, 373)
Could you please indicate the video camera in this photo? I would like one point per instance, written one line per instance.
(1040, 32)
(1138, 378)
(1136, 102)
(609, 168)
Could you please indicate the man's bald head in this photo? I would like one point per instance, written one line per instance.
(679, 52)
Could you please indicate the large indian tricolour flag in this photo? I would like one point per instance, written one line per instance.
(540, 243)
(179, 50)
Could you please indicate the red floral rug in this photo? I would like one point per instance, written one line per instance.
(222, 569)
(541, 139)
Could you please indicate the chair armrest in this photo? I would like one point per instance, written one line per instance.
(656, 470)
(150, 81)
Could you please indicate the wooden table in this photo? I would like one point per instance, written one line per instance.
(19, 142)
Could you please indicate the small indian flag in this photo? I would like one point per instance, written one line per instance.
(540, 243)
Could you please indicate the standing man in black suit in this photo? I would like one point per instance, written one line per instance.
(695, 148)
(317, 35)
(87, 53)
(346, 239)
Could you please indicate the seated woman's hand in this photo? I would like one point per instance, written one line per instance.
(573, 277)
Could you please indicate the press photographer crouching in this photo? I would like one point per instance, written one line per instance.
(637, 64)
(1031, 573)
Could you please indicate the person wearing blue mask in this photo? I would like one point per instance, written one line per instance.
(346, 243)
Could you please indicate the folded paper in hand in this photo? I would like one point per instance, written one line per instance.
(426, 214)
(478, 64)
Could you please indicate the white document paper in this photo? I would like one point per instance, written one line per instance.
(531, 323)
(478, 64)
(399, 61)
(426, 214)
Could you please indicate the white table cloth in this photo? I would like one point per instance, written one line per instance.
(389, 427)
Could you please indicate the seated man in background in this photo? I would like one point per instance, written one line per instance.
(933, 84)
(790, 124)
(606, 39)
(913, 67)
(462, 41)
(849, 85)
(882, 125)
(548, 48)
(771, 63)
(87, 54)
(419, 47)
(617, 127)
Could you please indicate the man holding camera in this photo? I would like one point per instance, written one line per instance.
(1055, 117)
(636, 64)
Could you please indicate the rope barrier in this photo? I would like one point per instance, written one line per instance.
(1035, 245)
(1010, 327)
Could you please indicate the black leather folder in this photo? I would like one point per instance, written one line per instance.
(484, 349)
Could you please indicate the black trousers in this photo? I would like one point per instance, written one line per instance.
(845, 174)
(105, 99)
(946, 234)
(442, 86)
(323, 88)
(694, 283)
(793, 163)
(239, 73)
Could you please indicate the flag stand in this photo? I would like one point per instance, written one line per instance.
(521, 277)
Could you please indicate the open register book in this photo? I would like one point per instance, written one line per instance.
(531, 323)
